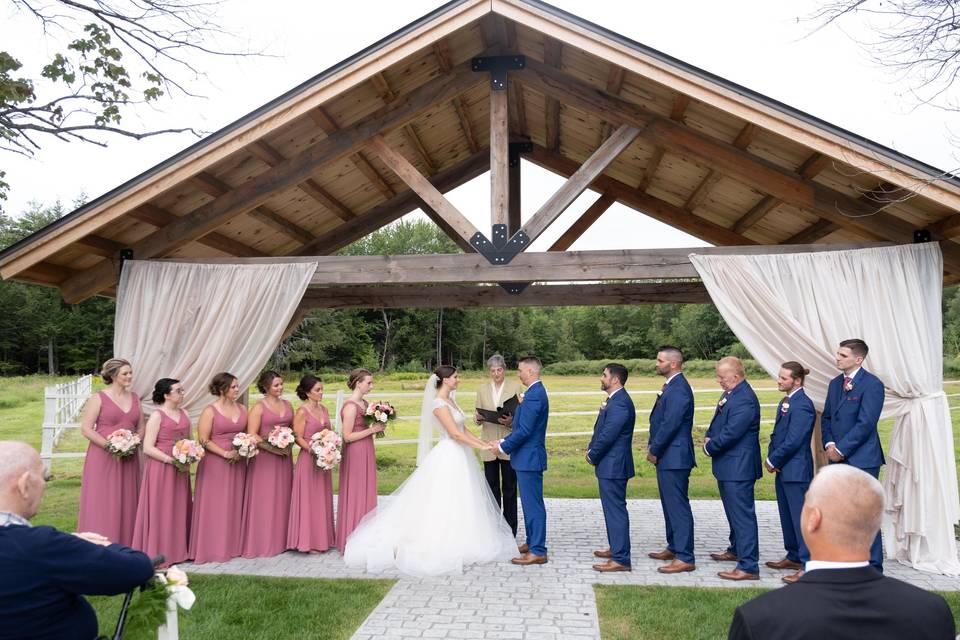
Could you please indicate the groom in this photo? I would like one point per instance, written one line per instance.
(526, 446)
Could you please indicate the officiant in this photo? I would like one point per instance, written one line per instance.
(501, 477)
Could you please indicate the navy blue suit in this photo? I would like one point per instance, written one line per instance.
(45, 574)
(671, 441)
(611, 453)
(734, 448)
(849, 421)
(526, 445)
(790, 454)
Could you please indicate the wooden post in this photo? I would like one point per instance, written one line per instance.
(49, 426)
(499, 157)
(513, 207)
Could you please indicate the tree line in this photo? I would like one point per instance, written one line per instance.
(39, 333)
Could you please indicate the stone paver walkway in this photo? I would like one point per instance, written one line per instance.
(551, 601)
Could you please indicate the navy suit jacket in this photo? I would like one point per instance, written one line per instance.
(735, 436)
(671, 426)
(850, 419)
(45, 572)
(526, 444)
(611, 447)
(789, 449)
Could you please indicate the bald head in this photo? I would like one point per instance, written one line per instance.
(21, 478)
(842, 512)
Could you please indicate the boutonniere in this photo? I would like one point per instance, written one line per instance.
(659, 393)
(520, 398)
(784, 407)
(722, 402)
(848, 386)
(603, 405)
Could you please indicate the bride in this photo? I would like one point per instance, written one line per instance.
(444, 515)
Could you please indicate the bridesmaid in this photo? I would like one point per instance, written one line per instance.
(358, 469)
(110, 487)
(266, 501)
(218, 497)
(163, 515)
(311, 506)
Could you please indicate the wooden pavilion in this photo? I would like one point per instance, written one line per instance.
(473, 87)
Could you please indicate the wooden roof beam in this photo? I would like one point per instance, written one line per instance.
(578, 182)
(552, 57)
(158, 217)
(414, 139)
(584, 222)
(680, 104)
(259, 189)
(398, 206)
(742, 141)
(104, 247)
(422, 187)
(814, 233)
(271, 157)
(441, 52)
(651, 169)
(809, 169)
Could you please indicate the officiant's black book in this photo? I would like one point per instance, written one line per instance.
(508, 409)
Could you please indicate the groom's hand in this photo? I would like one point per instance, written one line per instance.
(587, 457)
(651, 458)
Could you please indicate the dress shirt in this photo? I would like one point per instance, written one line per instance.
(813, 565)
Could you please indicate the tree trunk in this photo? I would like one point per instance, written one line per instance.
(51, 365)
(386, 338)
(439, 336)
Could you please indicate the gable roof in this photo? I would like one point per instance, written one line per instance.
(294, 177)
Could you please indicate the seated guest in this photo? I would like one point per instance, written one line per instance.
(841, 595)
(46, 572)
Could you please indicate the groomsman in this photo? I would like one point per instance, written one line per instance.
(733, 443)
(850, 417)
(789, 457)
(611, 452)
(671, 450)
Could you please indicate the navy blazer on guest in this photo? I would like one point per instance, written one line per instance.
(789, 449)
(45, 574)
(735, 436)
(850, 419)
(611, 447)
(671, 426)
(526, 444)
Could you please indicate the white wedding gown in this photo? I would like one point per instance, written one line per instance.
(441, 518)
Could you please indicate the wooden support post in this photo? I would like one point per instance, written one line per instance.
(513, 208)
(499, 158)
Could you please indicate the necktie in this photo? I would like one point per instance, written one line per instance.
(663, 388)
(846, 382)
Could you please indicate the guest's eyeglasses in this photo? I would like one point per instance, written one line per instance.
(178, 391)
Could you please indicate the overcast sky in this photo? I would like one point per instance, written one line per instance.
(760, 44)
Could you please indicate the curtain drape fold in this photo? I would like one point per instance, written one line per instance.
(191, 321)
(800, 306)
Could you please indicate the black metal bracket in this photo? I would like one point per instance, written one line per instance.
(501, 250)
(498, 67)
(921, 235)
(514, 151)
(514, 288)
(125, 254)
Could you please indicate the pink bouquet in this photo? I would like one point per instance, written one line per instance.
(279, 440)
(122, 443)
(325, 446)
(245, 445)
(379, 412)
(186, 452)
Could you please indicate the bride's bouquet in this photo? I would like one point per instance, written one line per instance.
(122, 443)
(279, 441)
(245, 445)
(186, 452)
(325, 446)
(379, 413)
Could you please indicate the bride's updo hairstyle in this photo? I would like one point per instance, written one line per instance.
(443, 372)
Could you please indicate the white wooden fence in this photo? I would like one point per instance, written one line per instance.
(62, 404)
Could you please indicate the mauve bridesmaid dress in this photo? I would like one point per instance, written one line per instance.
(311, 504)
(110, 487)
(266, 500)
(358, 480)
(163, 515)
(218, 498)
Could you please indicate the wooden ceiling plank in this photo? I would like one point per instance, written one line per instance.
(518, 109)
(651, 169)
(414, 138)
(756, 213)
(104, 247)
(679, 109)
(158, 217)
(578, 182)
(814, 233)
(382, 88)
(422, 187)
(584, 222)
(464, 118)
(256, 191)
(712, 178)
(372, 175)
(552, 57)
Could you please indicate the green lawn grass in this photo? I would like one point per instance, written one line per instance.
(242, 607)
(680, 613)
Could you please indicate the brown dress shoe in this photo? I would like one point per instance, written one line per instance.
(793, 577)
(784, 564)
(524, 548)
(611, 565)
(726, 556)
(529, 558)
(737, 575)
(677, 566)
(666, 554)
(603, 554)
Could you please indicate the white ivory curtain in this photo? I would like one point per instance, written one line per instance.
(191, 321)
(800, 306)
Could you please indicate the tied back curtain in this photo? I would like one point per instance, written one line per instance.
(800, 306)
(190, 321)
